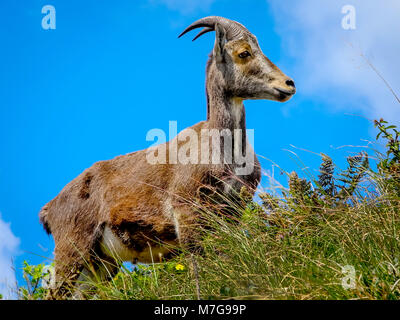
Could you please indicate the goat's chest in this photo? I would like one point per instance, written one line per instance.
(246, 172)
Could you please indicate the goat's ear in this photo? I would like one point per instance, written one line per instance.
(220, 40)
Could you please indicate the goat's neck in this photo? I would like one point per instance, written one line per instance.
(226, 112)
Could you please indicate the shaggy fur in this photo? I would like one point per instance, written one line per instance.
(143, 203)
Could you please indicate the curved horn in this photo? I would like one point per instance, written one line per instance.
(233, 29)
(204, 31)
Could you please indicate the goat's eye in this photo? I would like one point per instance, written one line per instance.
(244, 54)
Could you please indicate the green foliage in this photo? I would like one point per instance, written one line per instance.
(326, 177)
(33, 276)
(331, 190)
(392, 160)
(389, 162)
(143, 282)
(352, 176)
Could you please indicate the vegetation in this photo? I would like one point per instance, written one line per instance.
(333, 236)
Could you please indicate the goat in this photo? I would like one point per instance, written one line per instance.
(129, 206)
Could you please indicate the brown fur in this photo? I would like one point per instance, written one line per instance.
(144, 204)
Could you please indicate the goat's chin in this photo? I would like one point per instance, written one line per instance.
(265, 94)
(284, 97)
(280, 97)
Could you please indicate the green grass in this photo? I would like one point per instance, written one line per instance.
(294, 255)
(301, 243)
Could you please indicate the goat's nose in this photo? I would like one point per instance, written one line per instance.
(290, 83)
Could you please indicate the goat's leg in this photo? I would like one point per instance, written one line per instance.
(100, 270)
(188, 228)
(189, 234)
(75, 275)
(66, 270)
(72, 256)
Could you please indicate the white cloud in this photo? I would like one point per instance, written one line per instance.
(185, 6)
(328, 64)
(8, 249)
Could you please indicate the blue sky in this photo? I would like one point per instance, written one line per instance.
(113, 70)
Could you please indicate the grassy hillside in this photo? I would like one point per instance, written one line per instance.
(334, 237)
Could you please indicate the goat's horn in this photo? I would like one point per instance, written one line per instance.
(204, 31)
(232, 28)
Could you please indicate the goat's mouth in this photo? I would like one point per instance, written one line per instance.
(284, 95)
